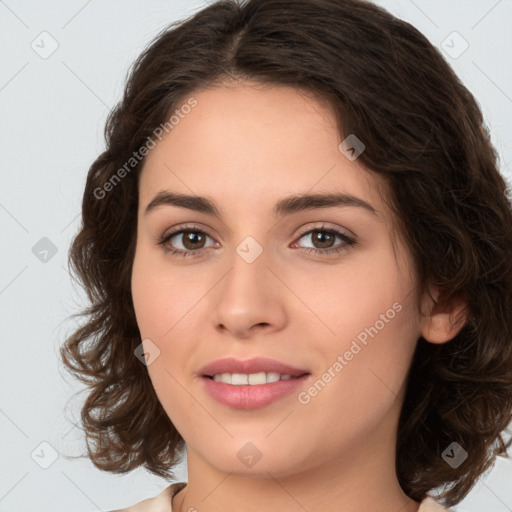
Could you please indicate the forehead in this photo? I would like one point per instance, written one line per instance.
(250, 142)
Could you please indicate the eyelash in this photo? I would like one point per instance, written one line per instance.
(193, 253)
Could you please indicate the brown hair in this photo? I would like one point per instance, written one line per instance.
(423, 132)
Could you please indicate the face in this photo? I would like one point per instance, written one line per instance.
(321, 288)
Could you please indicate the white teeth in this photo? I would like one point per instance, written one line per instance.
(273, 376)
(224, 377)
(255, 378)
(239, 379)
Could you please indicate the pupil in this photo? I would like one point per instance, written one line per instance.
(191, 238)
(322, 237)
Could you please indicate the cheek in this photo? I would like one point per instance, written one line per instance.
(165, 295)
(361, 382)
(343, 300)
(167, 307)
(364, 314)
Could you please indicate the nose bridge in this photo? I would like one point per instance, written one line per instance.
(246, 296)
(248, 271)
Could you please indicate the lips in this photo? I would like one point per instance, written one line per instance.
(248, 366)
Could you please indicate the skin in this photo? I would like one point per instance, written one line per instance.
(260, 144)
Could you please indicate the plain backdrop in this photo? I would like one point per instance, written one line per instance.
(63, 66)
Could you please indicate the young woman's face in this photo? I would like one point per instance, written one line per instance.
(320, 288)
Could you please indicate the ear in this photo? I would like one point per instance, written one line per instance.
(446, 318)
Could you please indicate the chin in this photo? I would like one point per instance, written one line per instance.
(255, 461)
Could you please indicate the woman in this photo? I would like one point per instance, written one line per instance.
(297, 247)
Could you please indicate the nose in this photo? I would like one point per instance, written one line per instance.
(250, 299)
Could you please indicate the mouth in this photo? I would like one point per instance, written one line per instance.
(253, 383)
(252, 379)
(252, 391)
(258, 370)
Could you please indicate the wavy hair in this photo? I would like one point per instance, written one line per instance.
(424, 134)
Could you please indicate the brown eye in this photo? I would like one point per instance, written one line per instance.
(186, 242)
(322, 239)
(193, 239)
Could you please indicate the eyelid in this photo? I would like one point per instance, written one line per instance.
(186, 227)
(327, 227)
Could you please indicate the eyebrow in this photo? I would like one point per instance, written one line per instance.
(286, 206)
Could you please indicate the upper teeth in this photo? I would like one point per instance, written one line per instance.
(239, 379)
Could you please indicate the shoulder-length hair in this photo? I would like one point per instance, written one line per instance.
(423, 133)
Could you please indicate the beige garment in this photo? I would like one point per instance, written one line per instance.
(431, 505)
(162, 502)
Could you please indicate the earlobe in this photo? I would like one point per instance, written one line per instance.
(445, 320)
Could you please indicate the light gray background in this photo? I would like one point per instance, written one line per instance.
(52, 113)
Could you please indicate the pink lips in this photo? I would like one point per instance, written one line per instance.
(251, 396)
(255, 365)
